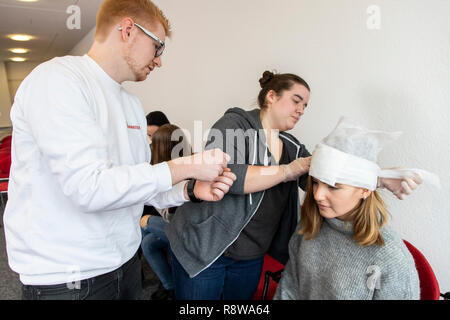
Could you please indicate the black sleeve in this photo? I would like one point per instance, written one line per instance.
(150, 210)
(303, 180)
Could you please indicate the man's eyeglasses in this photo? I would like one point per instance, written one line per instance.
(159, 49)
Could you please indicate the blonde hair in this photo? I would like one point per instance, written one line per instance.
(368, 218)
(141, 11)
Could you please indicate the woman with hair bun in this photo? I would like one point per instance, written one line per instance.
(218, 249)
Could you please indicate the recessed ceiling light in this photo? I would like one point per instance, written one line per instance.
(17, 59)
(28, 0)
(20, 37)
(19, 50)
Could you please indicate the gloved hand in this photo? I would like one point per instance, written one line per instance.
(296, 168)
(401, 186)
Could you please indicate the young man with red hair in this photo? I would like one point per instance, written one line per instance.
(80, 172)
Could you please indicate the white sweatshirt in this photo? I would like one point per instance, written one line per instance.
(80, 174)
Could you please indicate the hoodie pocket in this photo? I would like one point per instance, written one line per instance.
(207, 237)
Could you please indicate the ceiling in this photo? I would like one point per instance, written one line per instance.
(46, 20)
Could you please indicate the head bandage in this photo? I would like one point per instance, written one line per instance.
(348, 156)
(333, 166)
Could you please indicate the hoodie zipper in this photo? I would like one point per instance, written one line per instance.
(214, 260)
(298, 146)
(251, 216)
(298, 154)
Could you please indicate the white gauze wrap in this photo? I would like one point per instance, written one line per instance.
(348, 156)
(332, 166)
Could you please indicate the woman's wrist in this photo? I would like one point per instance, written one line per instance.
(284, 172)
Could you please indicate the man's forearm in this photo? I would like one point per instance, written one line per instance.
(179, 172)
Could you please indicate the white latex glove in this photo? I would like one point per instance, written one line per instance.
(401, 186)
(296, 168)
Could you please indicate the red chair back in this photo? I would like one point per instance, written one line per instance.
(6, 142)
(3, 186)
(5, 163)
(429, 287)
(5, 157)
(270, 264)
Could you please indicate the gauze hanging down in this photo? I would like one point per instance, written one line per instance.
(342, 248)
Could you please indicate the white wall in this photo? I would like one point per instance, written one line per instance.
(82, 47)
(394, 78)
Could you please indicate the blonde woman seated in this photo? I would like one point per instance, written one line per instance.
(342, 248)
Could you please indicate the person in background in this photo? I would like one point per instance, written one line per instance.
(155, 119)
(154, 240)
(343, 248)
(81, 172)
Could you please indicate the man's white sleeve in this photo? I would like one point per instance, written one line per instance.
(172, 198)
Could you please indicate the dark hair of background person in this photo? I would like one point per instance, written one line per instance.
(156, 118)
(278, 83)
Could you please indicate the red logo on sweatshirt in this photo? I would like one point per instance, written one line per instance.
(133, 127)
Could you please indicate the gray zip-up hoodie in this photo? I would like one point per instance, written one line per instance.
(199, 233)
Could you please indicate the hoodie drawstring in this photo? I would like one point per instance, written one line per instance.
(253, 162)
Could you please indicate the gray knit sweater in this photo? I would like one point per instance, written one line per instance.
(331, 266)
